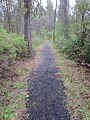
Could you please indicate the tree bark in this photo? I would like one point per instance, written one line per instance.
(54, 22)
(27, 26)
(8, 16)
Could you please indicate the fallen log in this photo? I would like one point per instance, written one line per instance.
(84, 64)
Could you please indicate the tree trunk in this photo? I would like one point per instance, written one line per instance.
(8, 16)
(54, 22)
(83, 27)
(27, 26)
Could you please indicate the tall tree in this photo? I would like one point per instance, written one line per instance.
(27, 25)
(8, 8)
(82, 10)
(54, 22)
(63, 15)
(49, 16)
(78, 46)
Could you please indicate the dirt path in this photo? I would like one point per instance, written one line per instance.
(47, 96)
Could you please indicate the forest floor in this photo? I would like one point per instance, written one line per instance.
(76, 79)
(47, 98)
(51, 87)
(14, 89)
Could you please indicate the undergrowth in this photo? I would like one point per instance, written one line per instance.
(13, 83)
(76, 79)
(12, 45)
(14, 92)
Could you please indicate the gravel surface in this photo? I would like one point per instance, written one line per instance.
(46, 90)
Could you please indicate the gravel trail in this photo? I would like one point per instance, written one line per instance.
(46, 90)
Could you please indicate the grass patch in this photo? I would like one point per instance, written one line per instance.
(77, 82)
(18, 85)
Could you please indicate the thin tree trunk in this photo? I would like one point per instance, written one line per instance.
(54, 27)
(8, 16)
(83, 27)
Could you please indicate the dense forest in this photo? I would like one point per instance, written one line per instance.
(71, 24)
(25, 25)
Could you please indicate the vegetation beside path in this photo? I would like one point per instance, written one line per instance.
(15, 67)
(77, 82)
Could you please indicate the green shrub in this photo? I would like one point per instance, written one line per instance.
(12, 44)
(74, 49)
(86, 52)
(49, 35)
(37, 41)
